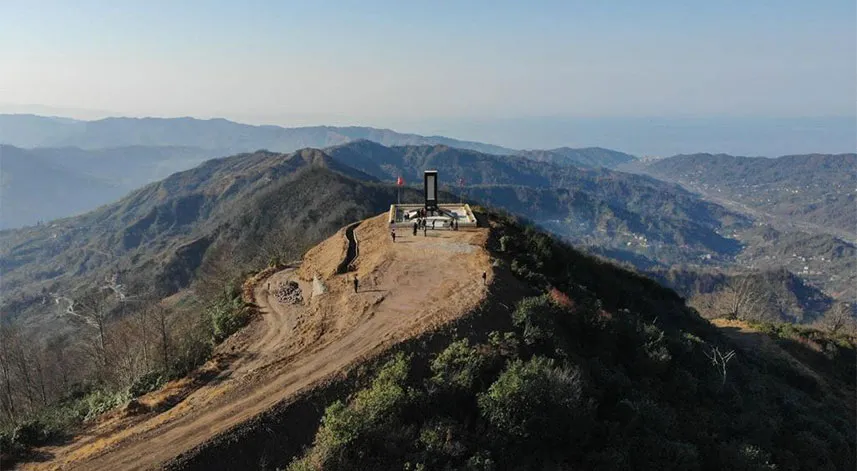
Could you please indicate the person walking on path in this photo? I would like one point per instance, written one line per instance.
(415, 228)
(356, 283)
(425, 231)
(484, 279)
(393, 235)
(432, 224)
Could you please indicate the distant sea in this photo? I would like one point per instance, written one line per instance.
(768, 137)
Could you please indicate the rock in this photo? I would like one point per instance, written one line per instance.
(288, 293)
(317, 286)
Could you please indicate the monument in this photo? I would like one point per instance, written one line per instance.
(439, 215)
(430, 181)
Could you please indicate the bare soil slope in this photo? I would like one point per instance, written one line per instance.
(407, 288)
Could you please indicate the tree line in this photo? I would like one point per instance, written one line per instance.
(124, 347)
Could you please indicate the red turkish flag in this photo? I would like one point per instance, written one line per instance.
(400, 181)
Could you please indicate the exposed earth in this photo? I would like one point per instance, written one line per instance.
(406, 288)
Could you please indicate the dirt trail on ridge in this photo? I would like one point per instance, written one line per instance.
(415, 285)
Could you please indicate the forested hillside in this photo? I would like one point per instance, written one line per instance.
(592, 157)
(817, 189)
(260, 205)
(604, 208)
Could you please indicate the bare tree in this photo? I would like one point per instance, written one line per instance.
(217, 270)
(19, 359)
(276, 247)
(839, 318)
(162, 323)
(719, 360)
(142, 328)
(6, 334)
(95, 306)
(741, 295)
(35, 356)
(57, 349)
(124, 350)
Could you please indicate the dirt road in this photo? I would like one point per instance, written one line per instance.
(406, 288)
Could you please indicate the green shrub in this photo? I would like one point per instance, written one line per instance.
(228, 314)
(101, 401)
(347, 430)
(439, 439)
(744, 457)
(655, 346)
(57, 421)
(457, 367)
(481, 462)
(506, 243)
(147, 383)
(537, 317)
(533, 400)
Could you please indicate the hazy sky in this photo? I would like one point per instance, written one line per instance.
(393, 62)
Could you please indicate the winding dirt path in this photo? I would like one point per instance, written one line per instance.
(417, 284)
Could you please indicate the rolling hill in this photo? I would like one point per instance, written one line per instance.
(592, 157)
(648, 223)
(635, 219)
(814, 191)
(259, 206)
(596, 207)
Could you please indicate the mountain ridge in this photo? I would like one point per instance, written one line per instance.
(214, 134)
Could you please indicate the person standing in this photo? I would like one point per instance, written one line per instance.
(425, 231)
(484, 278)
(356, 283)
(393, 235)
(415, 228)
(432, 224)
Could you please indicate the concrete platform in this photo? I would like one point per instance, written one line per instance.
(461, 212)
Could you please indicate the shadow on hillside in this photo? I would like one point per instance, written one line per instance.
(814, 364)
(746, 340)
(42, 456)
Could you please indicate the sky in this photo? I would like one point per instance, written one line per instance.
(431, 66)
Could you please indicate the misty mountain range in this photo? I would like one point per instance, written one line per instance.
(163, 230)
(691, 212)
(84, 164)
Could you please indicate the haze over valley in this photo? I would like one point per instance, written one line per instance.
(306, 236)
